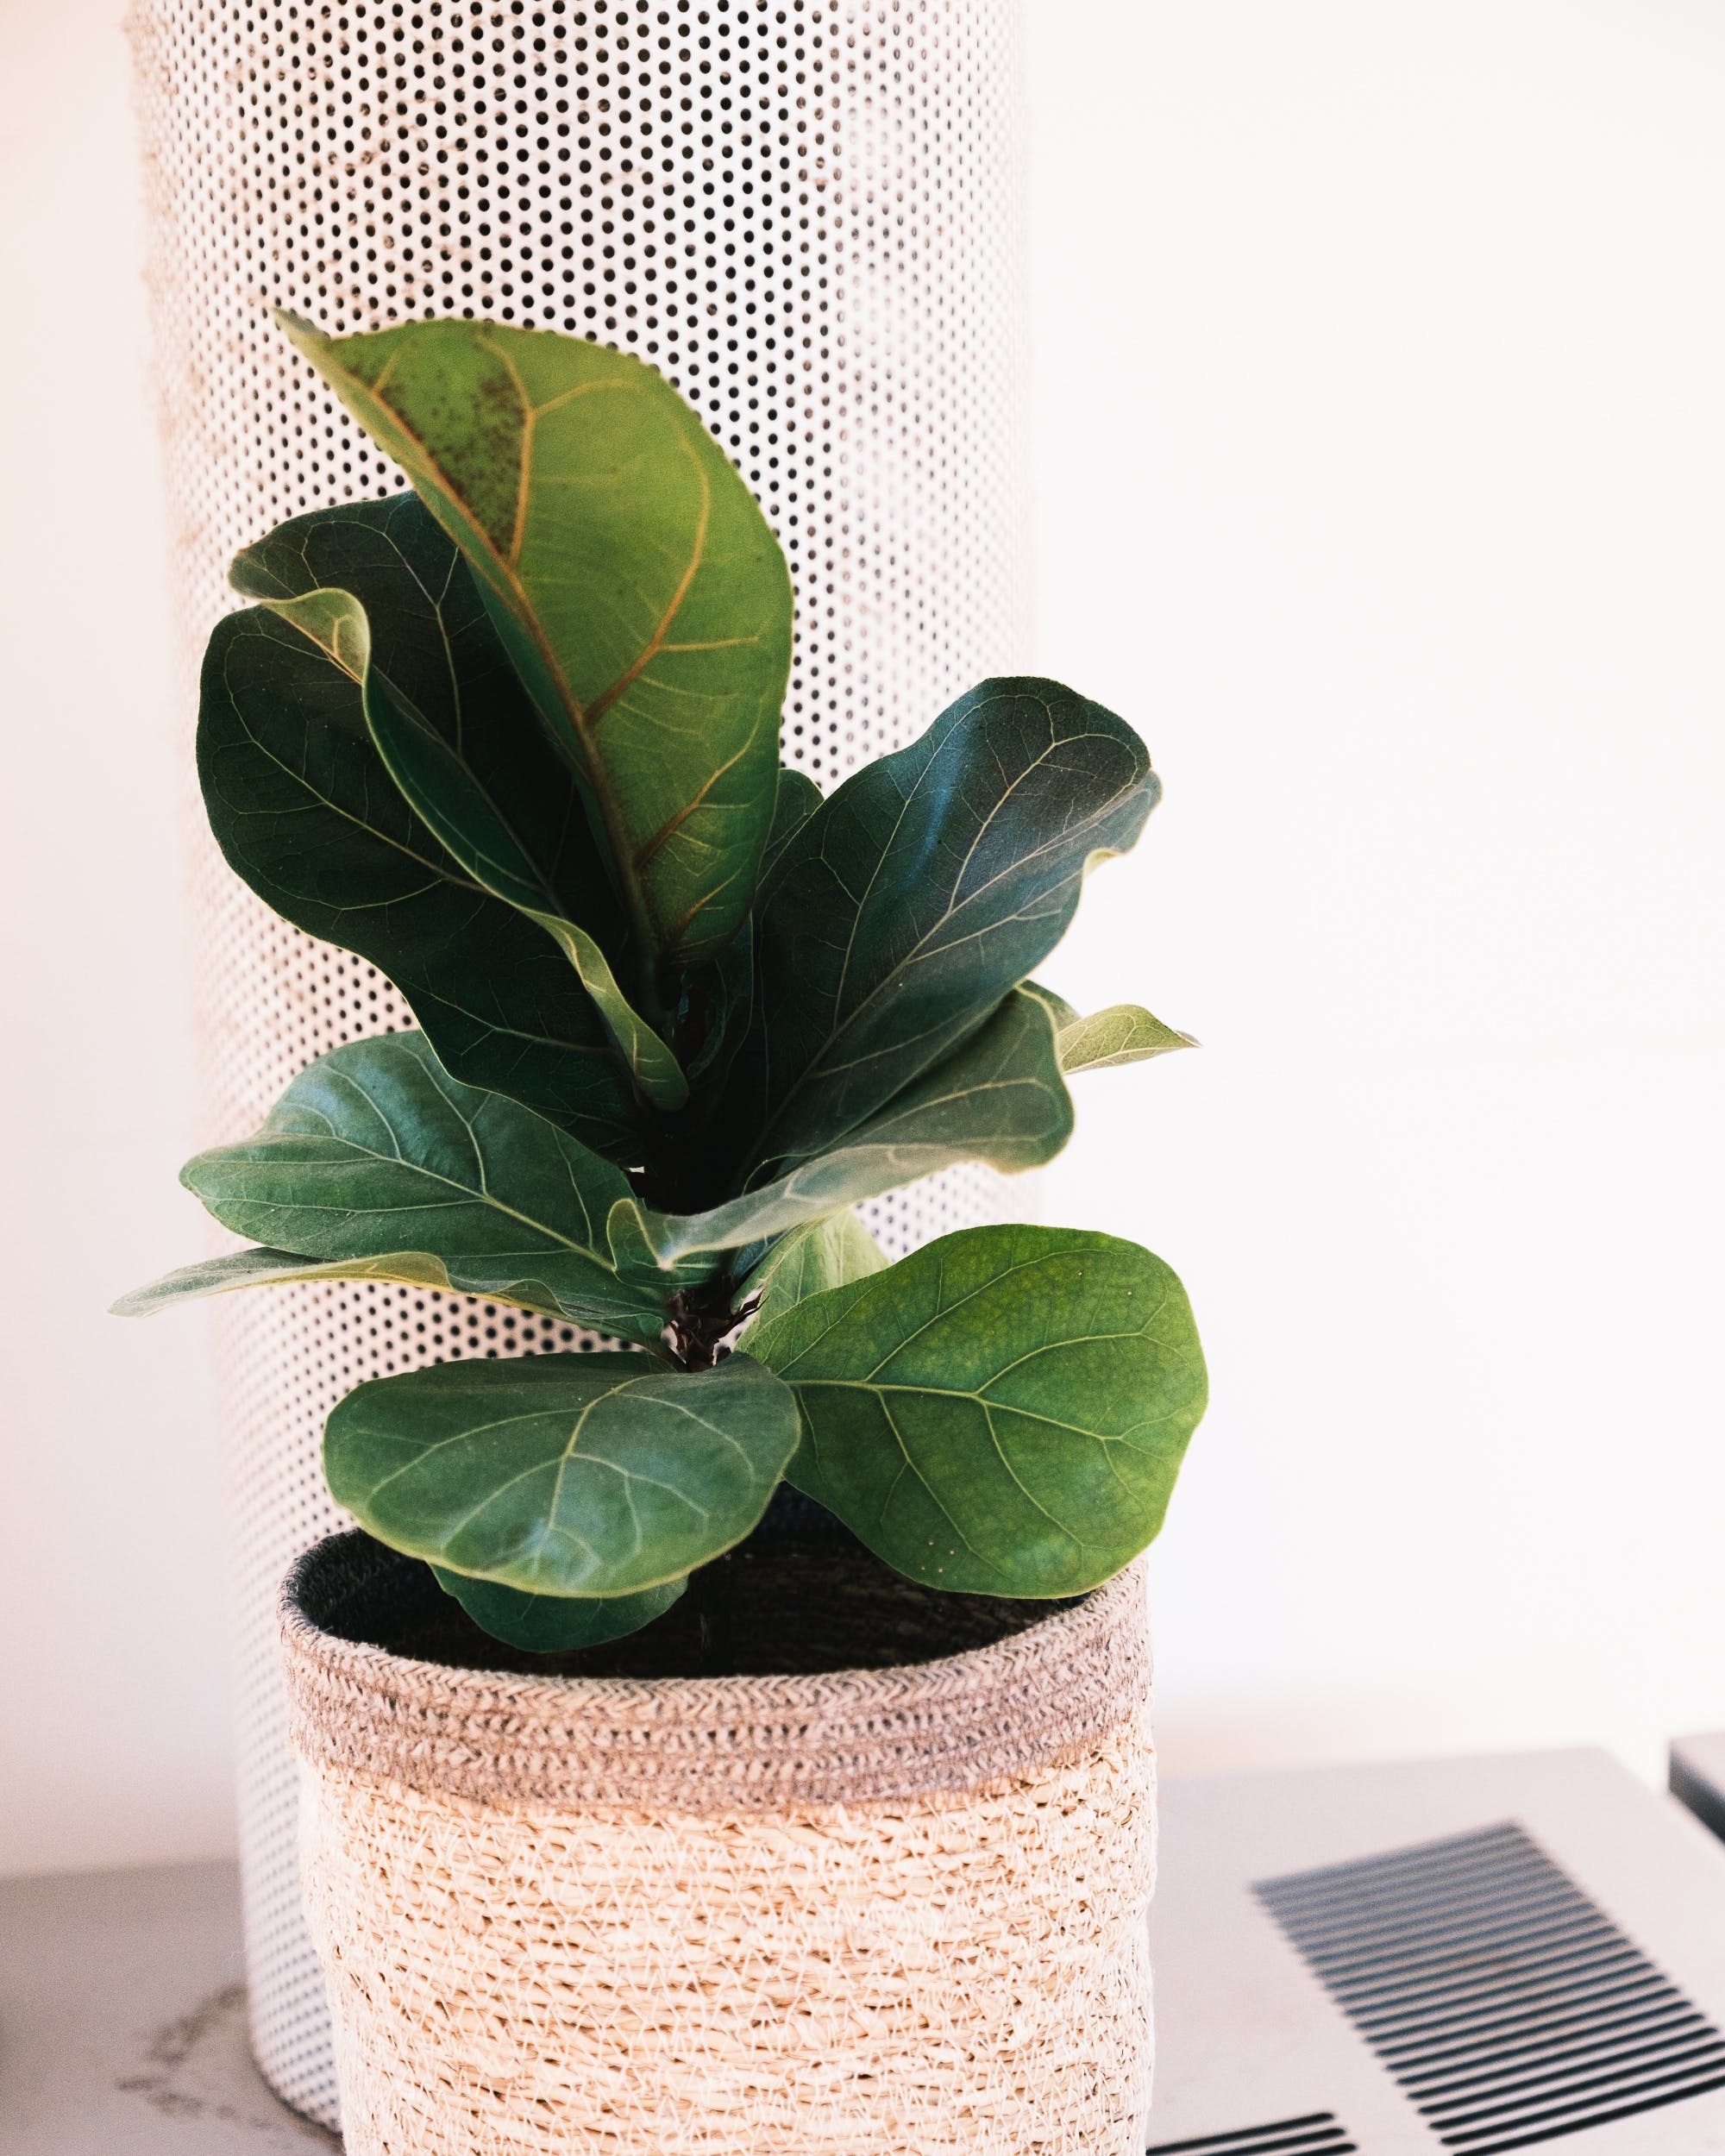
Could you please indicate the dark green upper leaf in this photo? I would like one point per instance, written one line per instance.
(473, 764)
(374, 1149)
(1003, 1412)
(723, 990)
(498, 796)
(305, 811)
(903, 910)
(797, 799)
(999, 1097)
(563, 1474)
(637, 587)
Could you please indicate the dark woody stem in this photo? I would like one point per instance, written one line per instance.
(701, 1318)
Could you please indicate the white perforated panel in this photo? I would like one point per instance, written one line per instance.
(810, 216)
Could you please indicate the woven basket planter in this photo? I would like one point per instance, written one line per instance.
(898, 1910)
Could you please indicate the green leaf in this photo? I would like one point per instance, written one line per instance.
(374, 1149)
(280, 1269)
(506, 818)
(725, 989)
(657, 1074)
(1124, 1033)
(914, 898)
(635, 585)
(1000, 1098)
(597, 1473)
(1057, 1007)
(305, 811)
(1003, 1412)
(797, 799)
(476, 828)
(824, 1254)
(555, 1624)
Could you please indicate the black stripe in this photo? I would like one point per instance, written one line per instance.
(1317, 2131)
(1577, 2030)
(1701, 2054)
(1571, 2117)
(1541, 2061)
(1508, 2005)
(1598, 2118)
(1491, 1917)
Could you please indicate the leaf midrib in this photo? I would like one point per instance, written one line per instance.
(978, 1400)
(506, 567)
(482, 1196)
(822, 1066)
(568, 1456)
(537, 879)
(436, 603)
(443, 874)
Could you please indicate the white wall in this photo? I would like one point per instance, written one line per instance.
(1383, 461)
(113, 1742)
(1381, 448)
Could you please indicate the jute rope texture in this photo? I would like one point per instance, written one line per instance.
(942, 1966)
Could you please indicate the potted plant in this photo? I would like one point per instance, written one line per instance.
(735, 1739)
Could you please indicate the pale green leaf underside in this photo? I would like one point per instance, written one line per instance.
(1003, 1412)
(563, 1474)
(1124, 1033)
(657, 1076)
(374, 1149)
(405, 1268)
(279, 1269)
(335, 621)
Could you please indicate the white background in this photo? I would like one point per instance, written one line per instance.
(1381, 433)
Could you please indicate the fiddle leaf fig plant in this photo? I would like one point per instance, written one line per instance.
(512, 737)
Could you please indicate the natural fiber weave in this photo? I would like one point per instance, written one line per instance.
(721, 1744)
(921, 1960)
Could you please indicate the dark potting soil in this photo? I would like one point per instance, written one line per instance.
(800, 1597)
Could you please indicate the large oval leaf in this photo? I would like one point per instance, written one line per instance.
(417, 632)
(374, 1149)
(922, 891)
(457, 733)
(1000, 1098)
(563, 1474)
(824, 1254)
(304, 808)
(1003, 1412)
(639, 590)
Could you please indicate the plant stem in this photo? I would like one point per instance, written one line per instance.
(701, 1318)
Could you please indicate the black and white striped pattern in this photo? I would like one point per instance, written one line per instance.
(1318, 2134)
(1508, 2005)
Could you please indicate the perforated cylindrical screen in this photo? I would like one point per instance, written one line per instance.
(808, 214)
